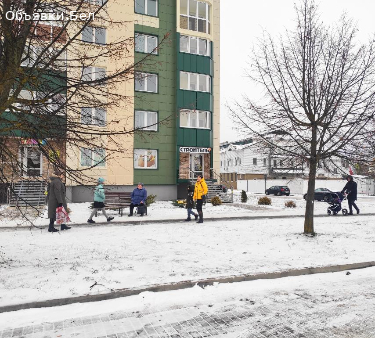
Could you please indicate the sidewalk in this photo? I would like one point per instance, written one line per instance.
(338, 305)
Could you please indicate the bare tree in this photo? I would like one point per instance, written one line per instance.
(49, 51)
(319, 87)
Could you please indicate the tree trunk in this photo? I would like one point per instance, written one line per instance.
(309, 213)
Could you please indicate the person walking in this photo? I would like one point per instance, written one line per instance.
(351, 191)
(200, 193)
(99, 198)
(138, 198)
(56, 198)
(190, 203)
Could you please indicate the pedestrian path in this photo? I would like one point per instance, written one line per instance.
(282, 313)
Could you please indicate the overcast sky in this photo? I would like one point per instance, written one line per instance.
(242, 21)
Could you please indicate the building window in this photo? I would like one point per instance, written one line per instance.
(94, 73)
(94, 35)
(146, 82)
(146, 120)
(195, 119)
(255, 161)
(275, 163)
(31, 159)
(264, 161)
(195, 16)
(92, 157)
(93, 116)
(194, 45)
(146, 43)
(195, 81)
(148, 7)
(145, 159)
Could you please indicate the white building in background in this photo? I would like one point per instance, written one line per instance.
(242, 160)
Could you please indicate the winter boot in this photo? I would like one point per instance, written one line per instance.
(110, 219)
(90, 221)
(200, 217)
(52, 229)
(196, 216)
(64, 227)
(188, 219)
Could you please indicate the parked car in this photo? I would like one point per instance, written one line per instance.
(323, 194)
(278, 190)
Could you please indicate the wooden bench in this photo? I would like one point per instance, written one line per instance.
(117, 200)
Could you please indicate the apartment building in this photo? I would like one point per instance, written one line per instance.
(173, 100)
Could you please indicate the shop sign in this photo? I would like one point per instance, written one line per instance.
(195, 150)
(31, 141)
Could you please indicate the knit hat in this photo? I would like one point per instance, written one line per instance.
(139, 183)
(100, 180)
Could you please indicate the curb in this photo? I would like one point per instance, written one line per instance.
(169, 221)
(184, 285)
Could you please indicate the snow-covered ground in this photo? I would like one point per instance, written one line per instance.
(164, 210)
(36, 265)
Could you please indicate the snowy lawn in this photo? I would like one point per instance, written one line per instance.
(36, 265)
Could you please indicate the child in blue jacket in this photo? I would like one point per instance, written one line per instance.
(99, 198)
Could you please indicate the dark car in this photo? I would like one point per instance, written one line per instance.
(322, 194)
(278, 190)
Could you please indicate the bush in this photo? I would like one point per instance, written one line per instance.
(290, 204)
(264, 201)
(150, 199)
(216, 200)
(243, 196)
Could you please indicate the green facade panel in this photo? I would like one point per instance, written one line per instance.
(164, 102)
(193, 100)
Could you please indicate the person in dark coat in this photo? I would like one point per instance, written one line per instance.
(190, 203)
(351, 190)
(138, 198)
(56, 198)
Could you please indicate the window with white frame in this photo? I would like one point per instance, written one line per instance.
(146, 43)
(92, 157)
(195, 81)
(147, 7)
(194, 45)
(145, 159)
(255, 161)
(93, 116)
(195, 119)
(146, 120)
(94, 35)
(94, 73)
(195, 16)
(146, 82)
(264, 161)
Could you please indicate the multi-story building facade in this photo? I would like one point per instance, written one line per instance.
(173, 100)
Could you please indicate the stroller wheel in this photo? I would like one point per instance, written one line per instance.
(344, 212)
(328, 211)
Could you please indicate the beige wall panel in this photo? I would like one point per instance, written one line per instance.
(119, 167)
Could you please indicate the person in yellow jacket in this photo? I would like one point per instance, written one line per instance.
(200, 193)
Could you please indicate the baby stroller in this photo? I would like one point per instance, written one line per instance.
(334, 202)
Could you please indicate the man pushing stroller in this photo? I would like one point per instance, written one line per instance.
(351, 194)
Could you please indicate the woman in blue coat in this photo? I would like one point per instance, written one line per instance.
(138, 198)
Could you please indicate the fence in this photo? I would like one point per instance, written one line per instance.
(365, 185)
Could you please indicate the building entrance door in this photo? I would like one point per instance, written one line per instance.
(31, 161)
(196, 165)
